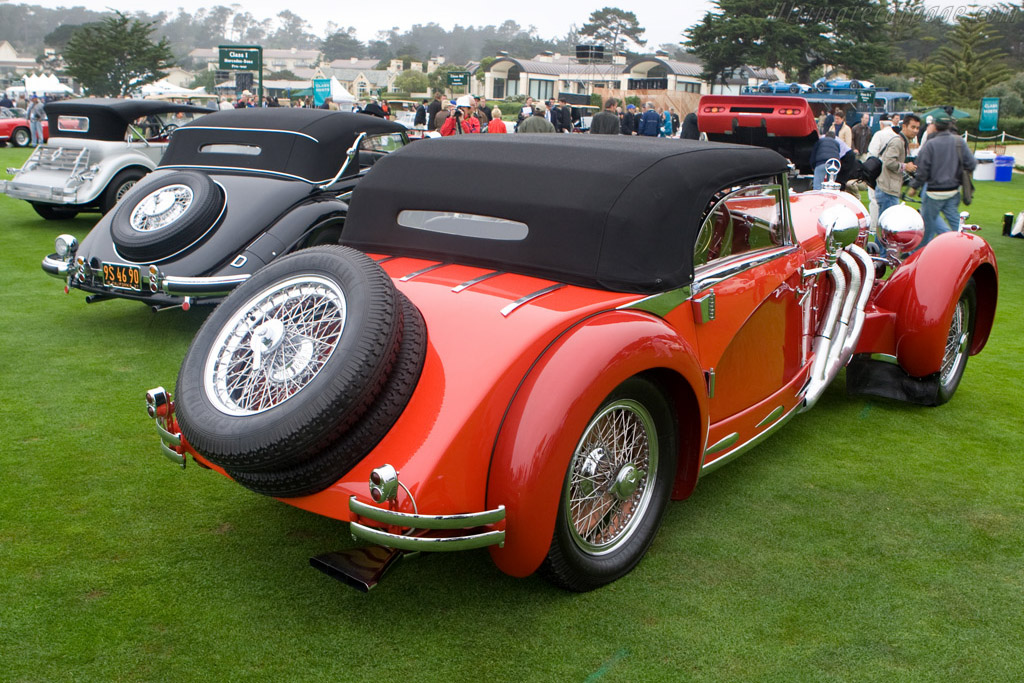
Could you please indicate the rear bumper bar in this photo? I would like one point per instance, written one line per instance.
(478, 525)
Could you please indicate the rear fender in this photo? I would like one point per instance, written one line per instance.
(923, 293)
(295, 227)
(555, 401)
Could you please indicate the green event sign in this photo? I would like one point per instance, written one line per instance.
(240, 57)
(865, 97)
(321, 90)
(989, 120)
(458, 78)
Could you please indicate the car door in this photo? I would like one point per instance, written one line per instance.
(747, 315)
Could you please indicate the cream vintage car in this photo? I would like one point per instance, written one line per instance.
(98, 149)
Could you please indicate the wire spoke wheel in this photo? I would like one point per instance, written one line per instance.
(611, 477)
(956, 344)
(160, 208)
(274, 345)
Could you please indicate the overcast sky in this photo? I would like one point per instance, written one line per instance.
(664, 21)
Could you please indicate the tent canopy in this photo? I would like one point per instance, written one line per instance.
(957, 113)
(45, 84)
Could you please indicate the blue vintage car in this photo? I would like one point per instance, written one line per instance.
(783, 87)
(826, 84)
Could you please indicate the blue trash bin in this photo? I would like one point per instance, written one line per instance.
(1004, 168)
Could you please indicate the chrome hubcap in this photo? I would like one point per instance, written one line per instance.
(611, 477)
(160, 208)
(274, 345)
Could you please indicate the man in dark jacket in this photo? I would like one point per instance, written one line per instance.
(629, 121)
(939, 165)
(421, 115)
(690, 130)
(433, 109)
(827, 147)
(606, 122)
(650, 122)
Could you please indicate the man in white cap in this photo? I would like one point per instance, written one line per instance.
(460, 121)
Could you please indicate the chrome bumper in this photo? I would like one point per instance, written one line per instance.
(160, 407)
(195, 286)
(39, 193)
(56, 266)
(416, 522)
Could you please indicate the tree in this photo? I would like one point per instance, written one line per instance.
(799, 37)
(411, 81)
(438, 78)
(960, 71)
(485, 66)
(117, 56)
(613, 27)
(342, 45)
(283, 75)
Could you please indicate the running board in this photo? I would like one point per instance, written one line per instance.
(360, 568)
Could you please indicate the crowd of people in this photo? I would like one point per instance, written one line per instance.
(927, 158)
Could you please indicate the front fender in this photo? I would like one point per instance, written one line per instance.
(923, 293)
(551, 408)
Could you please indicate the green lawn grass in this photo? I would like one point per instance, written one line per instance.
(868, 541)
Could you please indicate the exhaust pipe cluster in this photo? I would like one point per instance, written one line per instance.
(853, 276)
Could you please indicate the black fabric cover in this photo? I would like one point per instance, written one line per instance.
(307, 143)
(608, 212)
(109, 117)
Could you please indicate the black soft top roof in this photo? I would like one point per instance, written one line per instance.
(109, 117)
(614, 213)
(309, 144)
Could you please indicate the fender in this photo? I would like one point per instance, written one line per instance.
(293, 227)
(923, 293)
(552, 406)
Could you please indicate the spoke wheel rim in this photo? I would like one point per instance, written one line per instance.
(160, 208)
(611, 477)
(956, 344)
(274, 345)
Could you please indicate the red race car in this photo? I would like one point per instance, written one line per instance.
(533, 343)
(14, 128)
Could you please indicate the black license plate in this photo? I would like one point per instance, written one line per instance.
(122, 277)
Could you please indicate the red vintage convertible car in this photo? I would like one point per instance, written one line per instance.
(533, 343)
(14, 128)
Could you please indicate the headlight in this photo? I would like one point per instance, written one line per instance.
(66, 246)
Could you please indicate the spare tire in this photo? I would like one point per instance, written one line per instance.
(331, 464)
(290, 360)
(162, 215)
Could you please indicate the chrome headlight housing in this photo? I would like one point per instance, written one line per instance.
(66, 246)
(901, 228)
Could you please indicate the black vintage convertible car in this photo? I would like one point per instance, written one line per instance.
(233, 191)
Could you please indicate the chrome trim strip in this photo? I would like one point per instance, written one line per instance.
(723, 444)
(660, 304)
(248, 170)
(885, 358)
(56, 267)
(443, 544)
(417, 521)
(258, 130)
(744, 447)
(386, 259)
(173, 455)
(528, 298)
(712, 274)
(421, 271)
(184, 286)
(166, 437)
(771, 417)
(469, 283)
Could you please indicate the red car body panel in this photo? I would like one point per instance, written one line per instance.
(8, 126)
(788, 116)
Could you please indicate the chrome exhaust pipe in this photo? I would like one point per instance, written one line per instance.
(842, 331)
(857, 326)
(823, 341)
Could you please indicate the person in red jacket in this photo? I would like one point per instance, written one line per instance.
(467, 123)
(496, 125)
